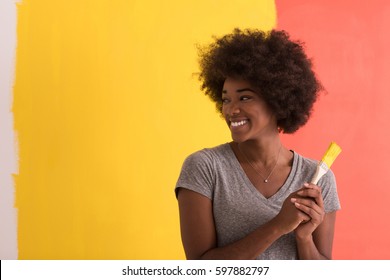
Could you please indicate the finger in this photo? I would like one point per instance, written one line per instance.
(309, 207)
(307, 186)
(302, 216)
(315, 218)
(308, 202)
(312, 191)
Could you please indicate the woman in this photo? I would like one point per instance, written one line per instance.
(249, 199)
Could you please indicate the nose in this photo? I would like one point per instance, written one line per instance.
(234, 108)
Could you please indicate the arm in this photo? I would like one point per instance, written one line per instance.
(199, 234)
(314, 238)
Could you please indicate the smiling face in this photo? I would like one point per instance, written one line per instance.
(246, 113)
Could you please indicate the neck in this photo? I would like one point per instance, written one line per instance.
(264, 151)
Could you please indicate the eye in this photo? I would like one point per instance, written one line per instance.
(245, 98)
(225, 100)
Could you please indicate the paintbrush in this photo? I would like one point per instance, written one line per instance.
(327, 160)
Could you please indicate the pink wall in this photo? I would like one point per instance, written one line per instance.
(349, 43)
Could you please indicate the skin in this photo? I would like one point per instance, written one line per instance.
(257, 140)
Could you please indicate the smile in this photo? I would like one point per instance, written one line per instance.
(236, 124)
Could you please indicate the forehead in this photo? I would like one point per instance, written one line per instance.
(232, 85)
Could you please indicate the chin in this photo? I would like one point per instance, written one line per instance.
(239, 139)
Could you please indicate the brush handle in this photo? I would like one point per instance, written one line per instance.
(321, 170)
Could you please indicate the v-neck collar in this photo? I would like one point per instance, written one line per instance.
(254, 190)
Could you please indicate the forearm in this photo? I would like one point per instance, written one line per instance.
(249, 247)
(307, 249)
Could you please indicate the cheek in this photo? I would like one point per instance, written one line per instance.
(223, 110)
(264, 117)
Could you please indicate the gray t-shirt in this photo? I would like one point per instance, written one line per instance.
(238, 207)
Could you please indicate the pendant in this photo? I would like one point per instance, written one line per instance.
(266, 181)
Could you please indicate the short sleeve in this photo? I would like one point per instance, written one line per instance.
(197, 174)
(329, 192)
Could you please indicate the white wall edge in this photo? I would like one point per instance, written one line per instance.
(8, 145)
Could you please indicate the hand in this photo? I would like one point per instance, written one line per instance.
(290, 216)
(309, 201)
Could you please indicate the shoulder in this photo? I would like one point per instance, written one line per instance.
(305, 162)
(208, 155)
(199, 170)
(308, 167)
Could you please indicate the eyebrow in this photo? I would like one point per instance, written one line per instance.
(240, 90)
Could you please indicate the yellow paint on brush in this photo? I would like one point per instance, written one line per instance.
(106, 109)
(331, 154)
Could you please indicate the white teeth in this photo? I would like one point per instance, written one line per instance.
(235, 124)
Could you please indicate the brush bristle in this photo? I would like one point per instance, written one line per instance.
(331, 154)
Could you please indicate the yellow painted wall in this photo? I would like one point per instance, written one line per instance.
(106, 108)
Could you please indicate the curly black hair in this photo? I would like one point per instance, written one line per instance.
(272, 63)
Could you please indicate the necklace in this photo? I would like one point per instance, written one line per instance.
(265, 179)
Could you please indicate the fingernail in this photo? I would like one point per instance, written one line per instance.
(293, 200)
(306, 184)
